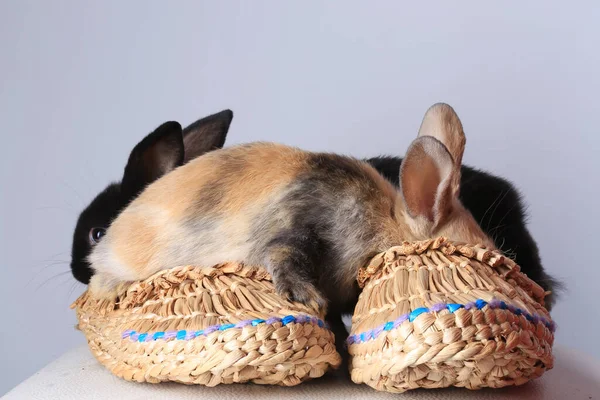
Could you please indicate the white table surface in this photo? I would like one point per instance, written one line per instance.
(77, 375)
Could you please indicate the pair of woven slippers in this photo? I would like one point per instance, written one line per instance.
(431, 314)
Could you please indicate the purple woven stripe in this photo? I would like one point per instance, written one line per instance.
(170, 334)
(494, 304)
(438, 307)
(243, 323)
(211, 329)
(189, 335)
(400, 320)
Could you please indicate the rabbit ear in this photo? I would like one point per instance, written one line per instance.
(157, 154)
(425, 182)
(430, 173)
(206, 134)
(441, 122)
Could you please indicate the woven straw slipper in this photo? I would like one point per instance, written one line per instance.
(207, 326)
(434, 314)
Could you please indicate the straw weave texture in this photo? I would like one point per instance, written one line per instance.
(192, 299)
(453, 342)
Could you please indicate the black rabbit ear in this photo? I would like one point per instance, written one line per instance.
(157, 154)
(206, 134)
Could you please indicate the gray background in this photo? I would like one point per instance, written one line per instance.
(82, 82)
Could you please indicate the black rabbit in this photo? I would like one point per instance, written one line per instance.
(157, 154)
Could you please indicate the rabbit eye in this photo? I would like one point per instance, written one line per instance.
(96, 234)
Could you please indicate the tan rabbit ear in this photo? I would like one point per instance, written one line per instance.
(442, 123)
(425, 183)
(206, 134)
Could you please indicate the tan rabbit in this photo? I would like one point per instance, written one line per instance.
(312, 219)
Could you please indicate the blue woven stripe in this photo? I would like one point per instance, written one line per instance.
(188, 335)
(451, 307)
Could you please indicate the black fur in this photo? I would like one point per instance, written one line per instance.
(206, 134)
(158, 153)
(99, 213)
